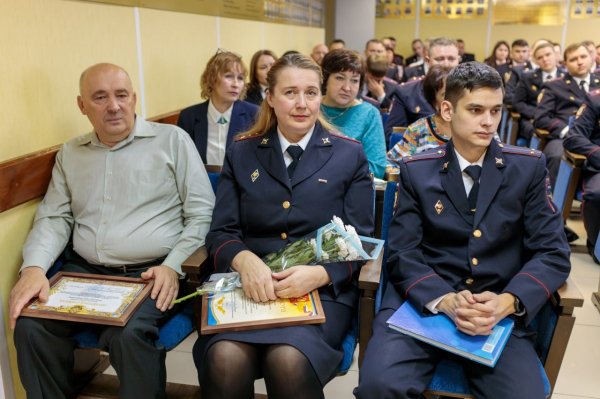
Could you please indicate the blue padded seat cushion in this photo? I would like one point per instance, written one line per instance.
(449, 377)
(175, 330)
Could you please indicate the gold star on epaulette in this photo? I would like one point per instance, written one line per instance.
(417, 109)
(533, 87)
(571, 98)
(499, 161)
(326, 140)
(567, 81)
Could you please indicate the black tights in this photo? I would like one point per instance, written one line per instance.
(231, 368)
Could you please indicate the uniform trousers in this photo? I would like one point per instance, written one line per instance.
(398, 366)
(554, 151)
(45, 348)
(591, 206)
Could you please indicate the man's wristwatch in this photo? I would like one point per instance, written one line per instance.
(519, 308)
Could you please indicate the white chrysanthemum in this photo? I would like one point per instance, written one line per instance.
(352, 253)
(338, 222)
(313, 244)
(353, 235)
(342, 247)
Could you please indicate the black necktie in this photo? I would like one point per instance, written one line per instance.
(582, 85)
(474, 171)
(548, 77)
(295, 152)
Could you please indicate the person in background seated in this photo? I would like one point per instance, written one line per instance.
(343, 73)
(597, 55)
(310, 175)
(418, 53)
(134, 200)
(560, 99)
(500, 58)
(374, 47)
(390, 41)
(260, 64)
(519, 63)
(429, 132)
(591, 47)
(213, 123)
(584, 138)
(379, 89)
(464, 57)
(529, 86)
(337, 44)
(318, 52)
(475, 237)
(394, 71)
(410, 103)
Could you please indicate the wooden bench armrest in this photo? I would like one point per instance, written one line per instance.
(370, 274)
(192, 264)
(542, 133)
(576, 159)
(515, 115)
(399, 129)
(569, 296)
(170, 118)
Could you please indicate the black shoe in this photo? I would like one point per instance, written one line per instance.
(571, 235)
(590, 248)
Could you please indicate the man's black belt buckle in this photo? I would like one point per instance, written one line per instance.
(134, 267)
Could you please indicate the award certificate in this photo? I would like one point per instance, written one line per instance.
(91, 298)
(233, 311)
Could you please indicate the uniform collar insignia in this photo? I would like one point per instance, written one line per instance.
(265, 141)
(417, 109)
(439, 207)
(326, 140)
(254, 175)
(499, 161)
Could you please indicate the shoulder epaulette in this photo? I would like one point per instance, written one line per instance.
(413, 80)
(338, 134)
(594, 93)
(425, 155)
(244, 136)
(513, 149)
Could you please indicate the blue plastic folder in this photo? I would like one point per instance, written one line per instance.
(439, 331)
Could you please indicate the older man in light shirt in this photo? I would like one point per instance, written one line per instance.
(135, 200)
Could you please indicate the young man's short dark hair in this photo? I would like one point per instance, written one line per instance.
(471, 76)
(519, 43)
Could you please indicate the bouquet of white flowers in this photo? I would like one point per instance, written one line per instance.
(334, 242)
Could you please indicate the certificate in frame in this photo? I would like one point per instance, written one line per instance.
(91, 298)
(233, 311)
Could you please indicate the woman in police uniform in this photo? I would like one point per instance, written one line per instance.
(270, 195)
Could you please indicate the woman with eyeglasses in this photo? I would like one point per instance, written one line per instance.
(213, 123)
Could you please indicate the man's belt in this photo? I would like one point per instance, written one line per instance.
(134, 267)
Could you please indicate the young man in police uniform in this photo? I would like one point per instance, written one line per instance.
(410, 104)
(561, 98)
(529, 87)
(584, 138)
(475, 237)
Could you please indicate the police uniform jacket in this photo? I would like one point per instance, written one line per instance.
(584, 135)
(390, 88)
(194, 120)
(513, 243)
(413, 72)
(560, 99)
(259, 209)
(409, 106)
(511, 80)
(527, 91)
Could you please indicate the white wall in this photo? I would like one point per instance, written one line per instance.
(355, 22)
